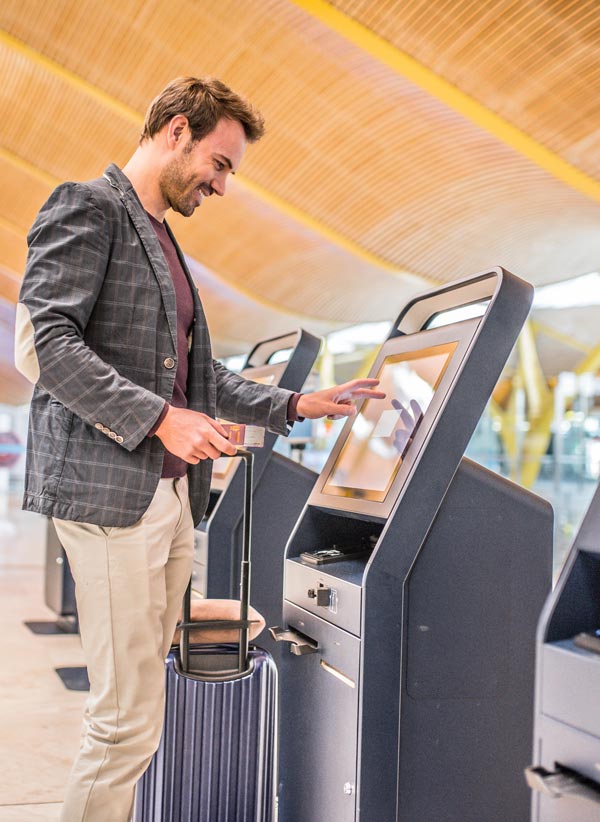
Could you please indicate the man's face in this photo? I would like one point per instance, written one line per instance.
(199, 169)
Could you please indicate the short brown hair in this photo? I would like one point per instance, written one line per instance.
(204, 101)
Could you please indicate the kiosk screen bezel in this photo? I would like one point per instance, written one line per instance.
(325, 494)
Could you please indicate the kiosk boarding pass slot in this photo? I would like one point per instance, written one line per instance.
(299, 644)
(563, 782)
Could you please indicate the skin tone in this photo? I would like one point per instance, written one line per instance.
(173, 171)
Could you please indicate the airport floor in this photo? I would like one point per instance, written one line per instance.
(40, 719)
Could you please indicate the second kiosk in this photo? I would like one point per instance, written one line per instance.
(281, 488)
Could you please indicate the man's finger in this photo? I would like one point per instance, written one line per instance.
(368, 392)
(361, 392)
(339, 410)
(217, 426)
(208, 451)
(352, 385)
(221, 444)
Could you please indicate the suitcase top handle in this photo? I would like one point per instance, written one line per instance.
(219, 667)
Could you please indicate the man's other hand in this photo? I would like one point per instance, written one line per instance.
(193, 436)
(337, 402)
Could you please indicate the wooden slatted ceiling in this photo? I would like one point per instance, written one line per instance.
(357, 149)
(285, 265)
(535, 63)
(372, 157)
(234, 319)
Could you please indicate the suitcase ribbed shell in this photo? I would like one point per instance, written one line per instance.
(217, 756)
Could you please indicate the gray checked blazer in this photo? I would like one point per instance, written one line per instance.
(96, 333)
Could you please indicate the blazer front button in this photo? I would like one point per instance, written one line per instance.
(169, 362)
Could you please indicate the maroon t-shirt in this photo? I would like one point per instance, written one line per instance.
(174, 466)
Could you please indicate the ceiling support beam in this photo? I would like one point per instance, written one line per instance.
(70, 78)
(565, 339)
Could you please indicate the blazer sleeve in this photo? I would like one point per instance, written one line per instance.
(69, 250)
(241, 400)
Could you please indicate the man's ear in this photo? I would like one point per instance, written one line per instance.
(176, 129)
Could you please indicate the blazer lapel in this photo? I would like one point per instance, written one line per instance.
(149, 240)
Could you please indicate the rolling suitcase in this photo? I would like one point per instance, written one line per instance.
(217, 757)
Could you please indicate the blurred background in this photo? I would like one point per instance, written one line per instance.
(408, 144)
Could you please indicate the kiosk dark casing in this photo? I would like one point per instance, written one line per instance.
(409, 692)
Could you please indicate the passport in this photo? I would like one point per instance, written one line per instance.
(244, 436)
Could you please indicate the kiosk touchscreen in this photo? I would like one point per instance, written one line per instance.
(413, 582)
(371, 457)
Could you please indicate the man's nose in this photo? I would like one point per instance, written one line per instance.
(218, 187)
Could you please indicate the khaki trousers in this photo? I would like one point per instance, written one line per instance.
(129, 584)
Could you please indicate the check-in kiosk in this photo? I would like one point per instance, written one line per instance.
(414, 579)
(566, 776)
(281, 488)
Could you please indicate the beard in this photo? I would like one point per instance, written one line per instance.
(179, 187)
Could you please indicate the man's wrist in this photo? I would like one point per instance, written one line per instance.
(158, 422)
(292, 409)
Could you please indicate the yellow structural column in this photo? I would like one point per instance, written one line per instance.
(540, 405)
(538, 437)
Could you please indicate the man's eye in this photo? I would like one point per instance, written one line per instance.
(219, 166)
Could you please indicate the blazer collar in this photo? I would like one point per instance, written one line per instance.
(137, 214)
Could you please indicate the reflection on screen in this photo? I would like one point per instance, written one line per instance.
(383, 431)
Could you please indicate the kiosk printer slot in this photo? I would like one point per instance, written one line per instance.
(566, 780)
(281, 487)
(413, 583)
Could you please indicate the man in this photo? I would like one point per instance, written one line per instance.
(122, 427)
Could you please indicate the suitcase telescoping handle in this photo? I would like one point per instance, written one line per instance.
(243, 624)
